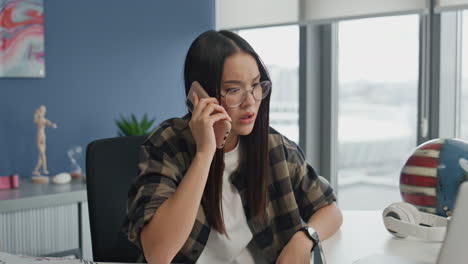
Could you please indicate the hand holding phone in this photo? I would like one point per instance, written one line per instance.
(221, 127)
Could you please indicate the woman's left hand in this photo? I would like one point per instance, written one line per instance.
(297, 250)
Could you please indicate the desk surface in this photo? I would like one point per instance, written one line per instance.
(363, 234)
(32, 195)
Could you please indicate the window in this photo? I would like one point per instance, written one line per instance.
(464, 81)
(278, 47)
(378, 84)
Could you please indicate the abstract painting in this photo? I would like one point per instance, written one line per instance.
(21, 38)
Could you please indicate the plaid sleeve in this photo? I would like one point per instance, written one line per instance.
(312, 191)
(158, 177)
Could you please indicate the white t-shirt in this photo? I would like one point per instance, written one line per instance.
(219, 249)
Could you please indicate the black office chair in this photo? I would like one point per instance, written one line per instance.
(111, 166)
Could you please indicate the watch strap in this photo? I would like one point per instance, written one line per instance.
(322, 254)
(315, 240)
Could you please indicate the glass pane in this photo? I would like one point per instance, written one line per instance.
(464, 84)
(378, 83)
(278, 47)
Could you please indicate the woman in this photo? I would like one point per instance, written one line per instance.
(245, 203)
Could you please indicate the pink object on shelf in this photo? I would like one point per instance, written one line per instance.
(9, 182)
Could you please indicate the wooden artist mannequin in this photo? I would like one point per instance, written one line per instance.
(41, 122)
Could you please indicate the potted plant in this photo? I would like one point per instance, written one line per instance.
(132, 127)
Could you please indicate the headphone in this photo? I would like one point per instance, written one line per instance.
(403, 219)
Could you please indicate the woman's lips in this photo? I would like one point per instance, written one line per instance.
(247, 119)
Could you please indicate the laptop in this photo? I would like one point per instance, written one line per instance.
(453, 250)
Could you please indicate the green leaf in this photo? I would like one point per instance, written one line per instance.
(131, 126)
(134, 120)
(144, 125)
(126, 127)
(150, 125)
(121, 126)
(145, 119)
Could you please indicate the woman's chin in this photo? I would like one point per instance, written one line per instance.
(244, 131)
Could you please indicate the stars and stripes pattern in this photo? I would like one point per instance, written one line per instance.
(418, 179)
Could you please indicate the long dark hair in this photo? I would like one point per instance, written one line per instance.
(204, 63)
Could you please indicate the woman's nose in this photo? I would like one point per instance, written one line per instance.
(249, 99)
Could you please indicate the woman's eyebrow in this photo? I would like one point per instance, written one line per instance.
(236, 82)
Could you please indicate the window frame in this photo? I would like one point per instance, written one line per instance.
(438, 110)
(318, 100)
(438, 114)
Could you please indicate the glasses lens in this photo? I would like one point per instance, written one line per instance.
(266, 87)
(234, 97)
(258, 92)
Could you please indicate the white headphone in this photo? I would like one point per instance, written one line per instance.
(403, 219)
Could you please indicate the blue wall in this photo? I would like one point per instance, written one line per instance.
(103, 58)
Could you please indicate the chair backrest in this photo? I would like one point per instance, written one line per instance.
(111, 166)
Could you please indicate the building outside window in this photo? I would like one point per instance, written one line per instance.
(378, 84)
(279, 49)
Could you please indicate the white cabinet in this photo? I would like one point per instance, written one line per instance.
(45, 220)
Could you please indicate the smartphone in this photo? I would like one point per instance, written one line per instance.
(222, 127)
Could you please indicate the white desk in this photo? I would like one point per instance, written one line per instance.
(363, 234)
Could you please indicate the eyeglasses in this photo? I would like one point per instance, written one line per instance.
(235, 96)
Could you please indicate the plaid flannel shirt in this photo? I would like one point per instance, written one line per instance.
(295, 192)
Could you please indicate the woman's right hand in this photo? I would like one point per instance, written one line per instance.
(206, 112)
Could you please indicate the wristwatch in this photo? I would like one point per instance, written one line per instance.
(311, 234)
